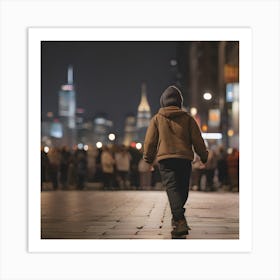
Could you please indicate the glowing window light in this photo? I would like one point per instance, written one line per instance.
(50, 114)
(67, 87)
(100, 121)
(173, 62)
(212, 136)
(204, 128)
(80, 146)
(230, 132)
(229, 150)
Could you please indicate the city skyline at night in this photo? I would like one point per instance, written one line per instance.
(107, 76)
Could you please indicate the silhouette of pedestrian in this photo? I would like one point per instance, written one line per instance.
(54, 162)
(233, 169)
(44, 167)
(222, 166)
(64, 164)
(122, 161)
(108, 163)
(81, 170)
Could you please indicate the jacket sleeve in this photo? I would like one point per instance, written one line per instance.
(197, 141)
(151, 142)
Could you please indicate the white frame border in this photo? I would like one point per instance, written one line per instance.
(36, 35)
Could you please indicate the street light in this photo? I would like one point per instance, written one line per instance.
(207, 96)
(99, 145)
(138, 146)
(112, 136)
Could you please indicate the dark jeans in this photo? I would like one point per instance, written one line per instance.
(175, 174)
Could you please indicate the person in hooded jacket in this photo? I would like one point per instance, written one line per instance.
(170, 138)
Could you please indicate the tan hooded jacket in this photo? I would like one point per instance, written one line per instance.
(173, 133)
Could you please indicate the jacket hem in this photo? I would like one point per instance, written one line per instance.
(159, 158)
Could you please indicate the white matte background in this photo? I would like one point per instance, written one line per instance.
(36, 35)
(262, 17)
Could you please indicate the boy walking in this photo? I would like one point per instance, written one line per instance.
(171, 137)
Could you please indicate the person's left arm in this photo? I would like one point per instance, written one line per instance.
(151, 142)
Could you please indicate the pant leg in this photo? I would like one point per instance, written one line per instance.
(183, 178)
(175, 174)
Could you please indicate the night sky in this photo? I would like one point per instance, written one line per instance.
(107, 75)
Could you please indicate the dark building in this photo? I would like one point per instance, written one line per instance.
(208, 73)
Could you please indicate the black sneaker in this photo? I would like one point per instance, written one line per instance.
(174, 224)
(181, 228)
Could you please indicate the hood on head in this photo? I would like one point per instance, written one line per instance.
(172, 96)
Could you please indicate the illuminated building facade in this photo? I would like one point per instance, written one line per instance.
(143, 115)
(67, 110)
(130, 133)
(205, 67)
(102, 127)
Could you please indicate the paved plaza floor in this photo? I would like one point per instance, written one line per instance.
(135, 215)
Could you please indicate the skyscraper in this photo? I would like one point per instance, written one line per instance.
(143, 115)
(130, 130)
(67, 109)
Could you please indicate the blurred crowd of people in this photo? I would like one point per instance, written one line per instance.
(116, 167)
(119, 167)
(221, 171)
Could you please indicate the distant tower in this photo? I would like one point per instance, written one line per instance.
(143, 115)
(67, 109)
(70, 78)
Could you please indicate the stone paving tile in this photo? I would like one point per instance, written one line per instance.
(120, 232)
(135, 215)
(68, 235)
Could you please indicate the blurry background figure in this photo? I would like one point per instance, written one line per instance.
(122, 159)
(197, 172)
(98, 176)
(107, 163)
(54, 163)
(44, 167)
(145, 175)
(233, 169)
(81, 170)
(210, 167)
(92, 153)
(136, 156)
(222, 166)
(64, 164)
(72, 174)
